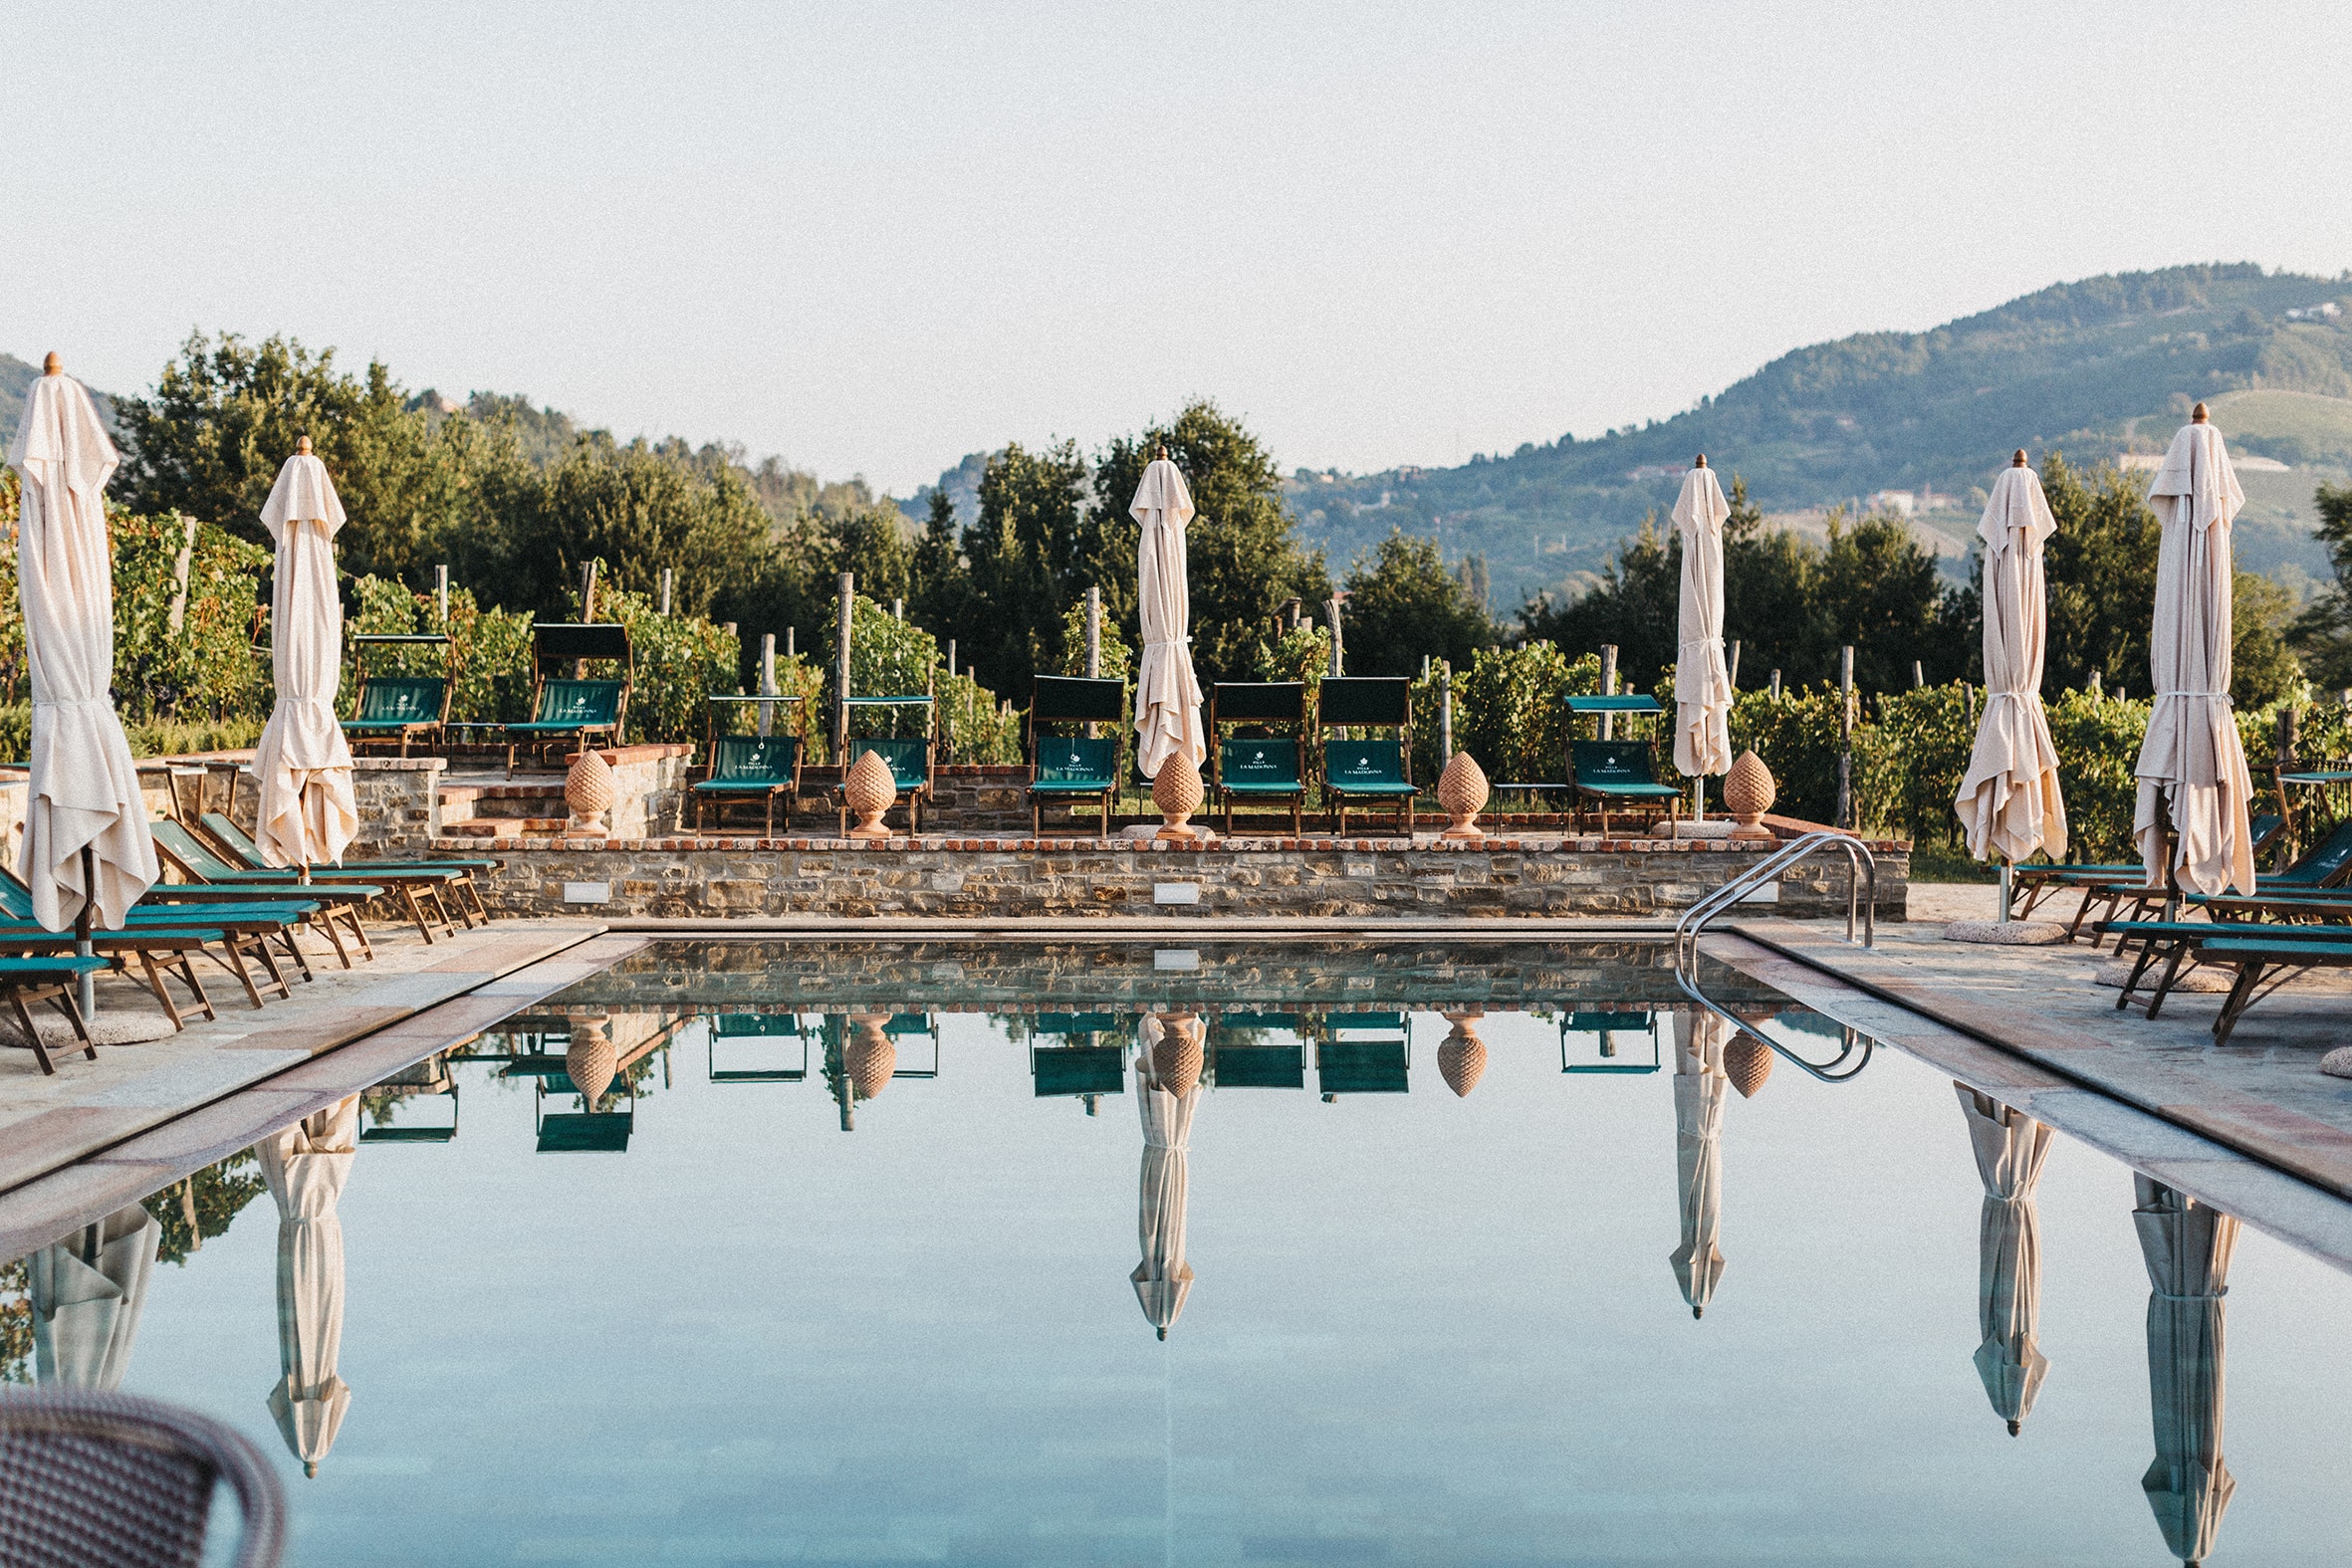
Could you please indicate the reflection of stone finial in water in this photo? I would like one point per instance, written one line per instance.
(1748, 1062)
(590, 1059)
(1462, 1059)
(1176, 1055)
(869, 1058)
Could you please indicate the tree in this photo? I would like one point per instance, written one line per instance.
(1023, 554)
(1403, 605)
(2323, 632)
(1875, 589)
(1633, 607)
(942, 589)
(224, 419)
(1243, 560)
(2100, 567)
(871, 541)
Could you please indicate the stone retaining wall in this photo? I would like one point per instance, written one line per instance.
(1028, 878)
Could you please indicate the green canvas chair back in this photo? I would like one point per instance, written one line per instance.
(2324, 864)
(1078, 1069)
(903, 1024)
(1231, 1022)
(1365, 766)
(16, 900)
(585, 1132)
(587, 704)
(2264, 828)
(1364, 699)
(1258, 1066)
(1392, 1023)
(908, 759)
(1068, 1023)
(1360, 1067)
(1596, 1023)
(1074, 699)
(1613, 763)
(1265, 763)
(603, 639)
(392, 700)
(1259, 702)
(191, 852)
(1079, 762)
(753, 760)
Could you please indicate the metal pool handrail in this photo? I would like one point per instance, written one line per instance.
(1694, 922)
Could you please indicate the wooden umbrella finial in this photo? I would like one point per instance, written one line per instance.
(1699, 461)
(1163, 454)
(2198, 415)
(50, 365)
(2019, 460)
(302, 447)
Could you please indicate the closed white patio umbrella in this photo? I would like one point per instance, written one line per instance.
(306, 1166)
(2192, 769)
(2009, 1148)
(1167, 696)
(2009, 800)
(1702, 682)
(86, 1294)
(1698, 1087)
(306, 812)
(2187, 1247)
(1163, 1279)
(86, 828)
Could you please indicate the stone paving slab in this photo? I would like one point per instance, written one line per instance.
(47, 1122)
(2262, 1094)
(2256, 1189)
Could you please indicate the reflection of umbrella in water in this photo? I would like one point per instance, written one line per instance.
(1698, 1085)
(1168, 1087)
(306, 1166)
(2187, 1247)
(2010, 1147)
(86, 1294)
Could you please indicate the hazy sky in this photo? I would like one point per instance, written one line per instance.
(872, 238)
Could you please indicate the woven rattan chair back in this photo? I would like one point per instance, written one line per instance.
(107, 1481)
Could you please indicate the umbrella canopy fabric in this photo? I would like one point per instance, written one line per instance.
(2192, 768)
(2010, 1147)
(306, 1166)
(1163, 1279)
(87, 1295)
(1167, 696)
(1702, 683)
(84, 788)
(2187, 1247)
(2009, 800)
(1699, 1092)
(306, 812)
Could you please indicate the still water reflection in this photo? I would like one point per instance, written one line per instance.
(637, 1304)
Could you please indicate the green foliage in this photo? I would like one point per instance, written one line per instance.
(1116, 659)
(975, 725)
(2323, 632)
(1024, 560)
(488, 659)
(1918, 753)
(193, 1211)
(2098, 741)
(16, 1322)
(1796, 736)
(1508, 713)
(1403, 606)
(1302, 653)
(213, 665)
(888, 657)
(2100, 567)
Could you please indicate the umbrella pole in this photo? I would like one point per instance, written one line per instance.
(1698, 798)
(86, 988)
(2005, 889)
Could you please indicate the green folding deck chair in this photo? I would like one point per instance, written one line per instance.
(1373, 770)
(1263, 765)
(1616, 774)
(751, 768)
(1238, 1059)
(396, 708)
(572, 707)
(1073, 767)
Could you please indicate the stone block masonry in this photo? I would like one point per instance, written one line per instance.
(1010, 878)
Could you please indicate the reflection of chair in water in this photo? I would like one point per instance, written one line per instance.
(1238, 1061)
(1075, 1063)
(736, 1028)
(427, 1079)
(1362, 1053)
(1610, 1032)
(2186, 1246)
(1167, 1089)
(600, 1050)
(861, 1055)
(1698, 1089)
(2010, 1147)
(306, 1166)
(86, 1294)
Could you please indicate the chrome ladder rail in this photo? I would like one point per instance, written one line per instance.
(1694, 922)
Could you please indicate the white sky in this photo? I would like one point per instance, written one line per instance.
(872, 238)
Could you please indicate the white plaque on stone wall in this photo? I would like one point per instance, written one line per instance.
(1175, 892)
(1175, 958)
(587, 892)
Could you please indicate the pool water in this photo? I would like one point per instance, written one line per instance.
(1403, 1324)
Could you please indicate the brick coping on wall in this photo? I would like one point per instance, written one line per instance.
(932, 844)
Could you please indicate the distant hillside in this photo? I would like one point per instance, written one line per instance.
(2090, 369)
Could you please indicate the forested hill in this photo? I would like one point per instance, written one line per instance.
(2092, 367)
(15, 377)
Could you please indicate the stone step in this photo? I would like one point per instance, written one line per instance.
(502, 826)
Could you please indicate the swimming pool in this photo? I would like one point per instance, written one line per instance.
(697, 1320)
